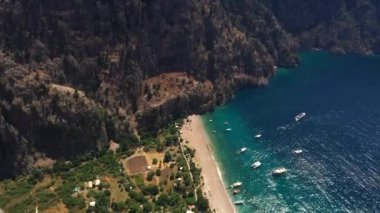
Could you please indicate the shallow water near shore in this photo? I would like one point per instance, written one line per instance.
(339, 169)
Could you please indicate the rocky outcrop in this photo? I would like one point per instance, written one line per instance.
(40, 117)
(173, 95)
(74, 74)
(15, 151)
(337, 26)
(176, 94)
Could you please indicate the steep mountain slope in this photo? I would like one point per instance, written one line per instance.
(74, 74)
(338, 26)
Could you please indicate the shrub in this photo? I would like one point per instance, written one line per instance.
(148, 207)
(167, 157)
(134, 207)
(202, 204)
(150, 190)
(162, 200)
(137, 196)
(191, 201)
(158, 172)
(155, 161)
(150, 176)
(118, 206)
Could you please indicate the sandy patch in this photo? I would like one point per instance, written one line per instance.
(153, 154)
(194, 132)
(165, 174)
(65, 89)
(59, 208)
(113, 145)
(44, 163)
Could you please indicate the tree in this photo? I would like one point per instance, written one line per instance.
(150, 176)
(155, 161)
(36, 176)
(134, 207)
(163, 200)
(158, 172)
(150, 190)
(148, 207)
(202, 204)
(118, 206)
(102, 202)
(167, 157)
(174, 198)
(61, 166)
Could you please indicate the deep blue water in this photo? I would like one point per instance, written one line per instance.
(339, 169)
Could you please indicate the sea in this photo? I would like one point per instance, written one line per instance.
(339, 167)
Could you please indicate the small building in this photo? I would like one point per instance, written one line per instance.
(89, 184)
(92, 203)
(76, 189)
(97, 182)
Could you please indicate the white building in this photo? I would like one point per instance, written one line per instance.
(97, 182)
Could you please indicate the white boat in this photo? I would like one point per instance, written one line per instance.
(225, 122)
(279, 171)
(239, 202)
(236, 184)
(300, 116)
(228, 129)
(236, 191)
(256, 165)
(297, 151)
(243, 150)
(258, 136)
(213, 131)
(210, 120)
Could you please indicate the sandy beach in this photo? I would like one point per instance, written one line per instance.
(195, 133)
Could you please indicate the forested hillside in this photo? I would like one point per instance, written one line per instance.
(75, 74)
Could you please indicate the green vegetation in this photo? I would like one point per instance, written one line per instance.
(158, 172)
(169, 186)
(155, 161)
(150, 176)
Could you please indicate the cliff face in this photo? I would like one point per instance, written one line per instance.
(74, 74)
(338, 26)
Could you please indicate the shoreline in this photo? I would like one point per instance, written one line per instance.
(216, 192)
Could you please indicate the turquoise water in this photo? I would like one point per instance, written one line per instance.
(339, 169)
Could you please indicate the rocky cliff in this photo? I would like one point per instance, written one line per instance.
(339, 26)
(74, 74)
